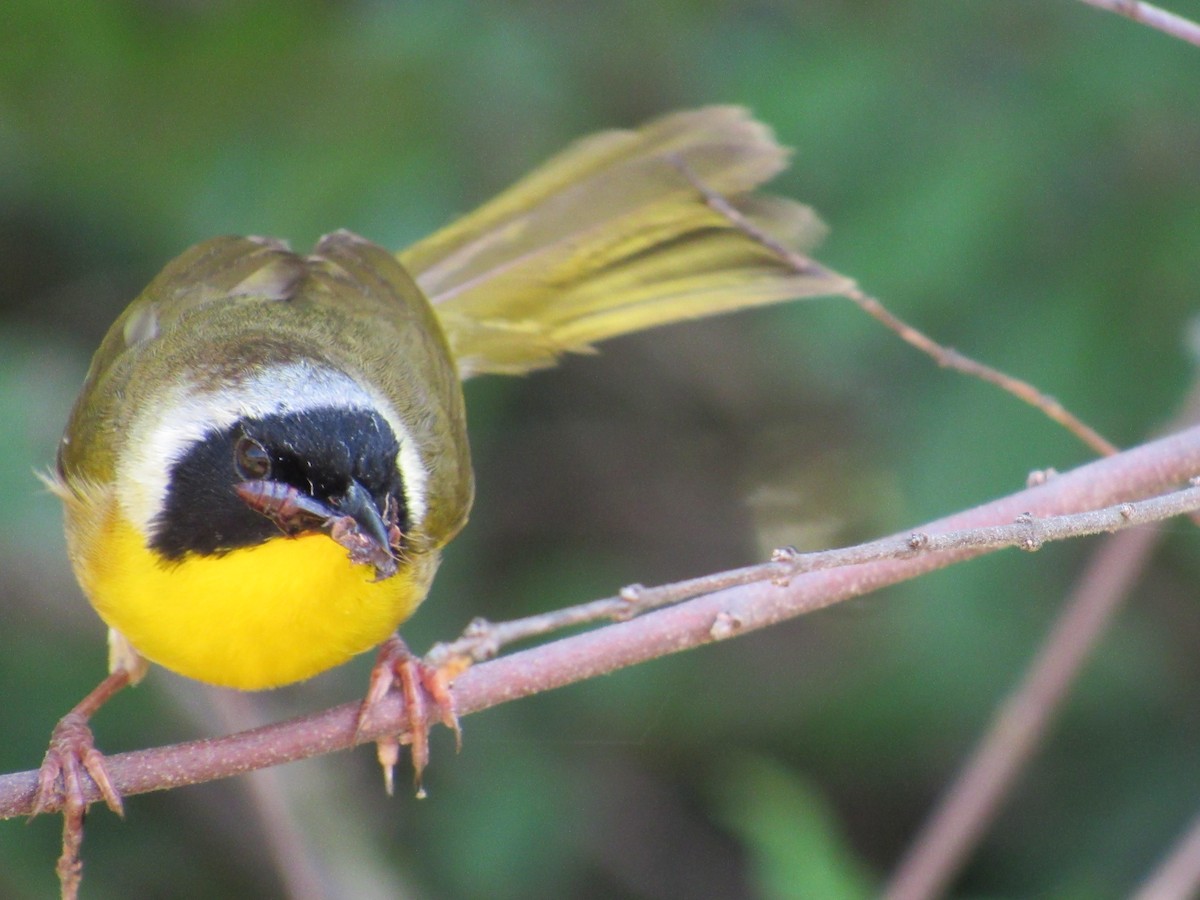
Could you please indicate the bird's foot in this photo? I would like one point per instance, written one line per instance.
(425, 690)
(71, 758)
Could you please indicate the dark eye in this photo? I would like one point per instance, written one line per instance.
(251, 458)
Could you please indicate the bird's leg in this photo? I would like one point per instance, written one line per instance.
(426, 693)
(72, 755)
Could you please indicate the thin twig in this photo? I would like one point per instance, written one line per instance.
(946, 357)
(1152, 16)
(483, 639)
(1145, 470)
(949, 358)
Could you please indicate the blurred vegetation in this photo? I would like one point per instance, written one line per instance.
(1018, 178)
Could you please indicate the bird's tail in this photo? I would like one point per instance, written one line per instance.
(616, 234)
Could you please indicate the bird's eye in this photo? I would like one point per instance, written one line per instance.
(251, 458)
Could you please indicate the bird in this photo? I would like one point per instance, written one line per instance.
(270, 449)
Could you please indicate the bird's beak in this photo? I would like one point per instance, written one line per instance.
(360, 506)
(361, 529)
(353, 520)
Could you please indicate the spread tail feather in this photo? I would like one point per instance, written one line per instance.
(612, 236)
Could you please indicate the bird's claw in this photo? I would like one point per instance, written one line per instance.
(71, 757)
(426, 693)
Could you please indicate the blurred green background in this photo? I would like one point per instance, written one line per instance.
(1017, 178)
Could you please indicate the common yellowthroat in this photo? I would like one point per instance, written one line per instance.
(270, 449)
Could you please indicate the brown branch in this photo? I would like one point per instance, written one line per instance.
(1152, 16)
(483, 639)
(1148, 469)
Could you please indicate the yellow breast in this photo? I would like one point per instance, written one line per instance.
(254, 618)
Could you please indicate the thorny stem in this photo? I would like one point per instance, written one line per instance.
(483, 640)
(1145, 470)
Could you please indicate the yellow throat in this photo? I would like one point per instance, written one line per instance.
(252, 618)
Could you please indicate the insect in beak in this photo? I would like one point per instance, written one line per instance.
(353, 520)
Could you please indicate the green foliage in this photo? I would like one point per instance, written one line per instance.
(790, 833)
(1016, 178)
